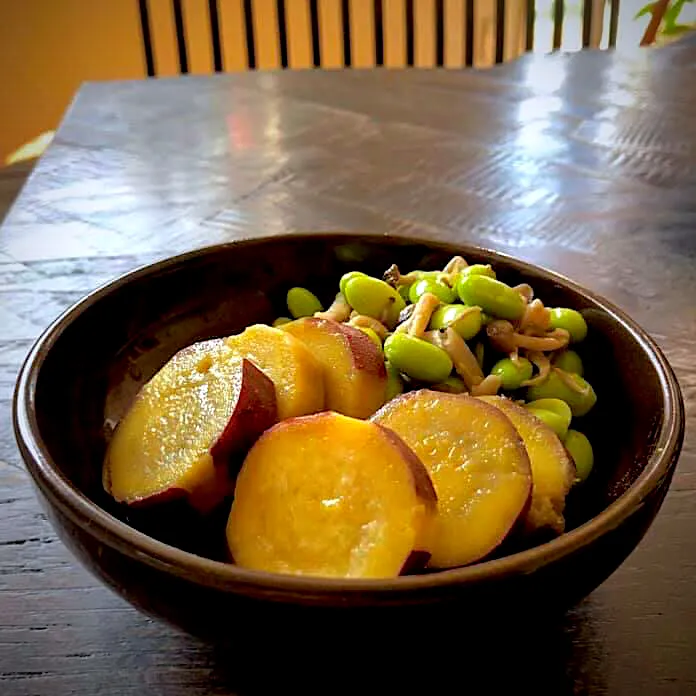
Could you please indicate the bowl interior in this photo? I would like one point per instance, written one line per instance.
(123, 335)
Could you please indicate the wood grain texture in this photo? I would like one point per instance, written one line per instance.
(585, 164)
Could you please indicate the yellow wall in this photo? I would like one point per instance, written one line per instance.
(48, 47)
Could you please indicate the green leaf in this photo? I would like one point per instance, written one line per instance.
(648, 9)
(674, 12)
(677, 29)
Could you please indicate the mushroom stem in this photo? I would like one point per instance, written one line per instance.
(525, 290)
(338, 311)
(455, 265)
(501, 334)
(488, 387)
(556, 339)
(544, 365)
(451, 271)
(504, 338)
(537, 316)
(463, 359)
(568, 380)
(395, 278)
(378, 327)
(420, 318)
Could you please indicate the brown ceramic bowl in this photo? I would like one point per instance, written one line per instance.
(84, 370)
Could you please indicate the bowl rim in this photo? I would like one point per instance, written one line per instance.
(111, 531)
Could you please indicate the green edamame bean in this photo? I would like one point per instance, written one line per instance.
(441, 290)
(570, 320)
(395, 385)
(370, 333)
(557, 406)
(554, 387)
(569, 361)
(417, 358)
(580, 450)
(480, 269)
(513, 373)
(452, 385)
(345, 278)
(281, 320)
(374, 298)
(466, 321)
(302, 303)
(404, 291)
(552, 420)
(554, 412)
(491, 295)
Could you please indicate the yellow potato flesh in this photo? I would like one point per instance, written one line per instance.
(163, 442)
(327, 495)
(355, 378)
(296, 374)
(553, 471)
(477, 463)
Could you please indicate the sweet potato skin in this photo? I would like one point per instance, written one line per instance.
(166, 446)
(289, 364)
(355, 377)
(255, 411)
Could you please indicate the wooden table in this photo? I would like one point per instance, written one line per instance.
(583, 163)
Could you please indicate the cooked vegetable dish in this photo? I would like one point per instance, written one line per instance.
(418, 421)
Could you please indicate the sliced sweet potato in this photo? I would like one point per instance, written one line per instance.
(477, 463)
(355, 379)
(177, 439)
(296, 374)
(329, 495)
(553, 470)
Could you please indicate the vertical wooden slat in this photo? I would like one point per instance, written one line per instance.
(232, 35)
(215, 34)
(614, 22)
(379, 31)
(439, 33)
(249, 33)
(531, 21)
(331, 33)
(424, 16)
(597, 24)
(558, 15)
(316, 37)
(282, 30)
(484, 33)
(197, 32)
(265, 21)
(347, 33)
(164, 44)
(587, 10)
(410, 23)
(146, 35)
(455, 23)
(180, 30)
(394, 13)
(299, 29)
(515, 29)
(499, 31)
(469, 32)
(362, 33)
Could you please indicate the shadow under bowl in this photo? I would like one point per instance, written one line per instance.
(83, 372)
